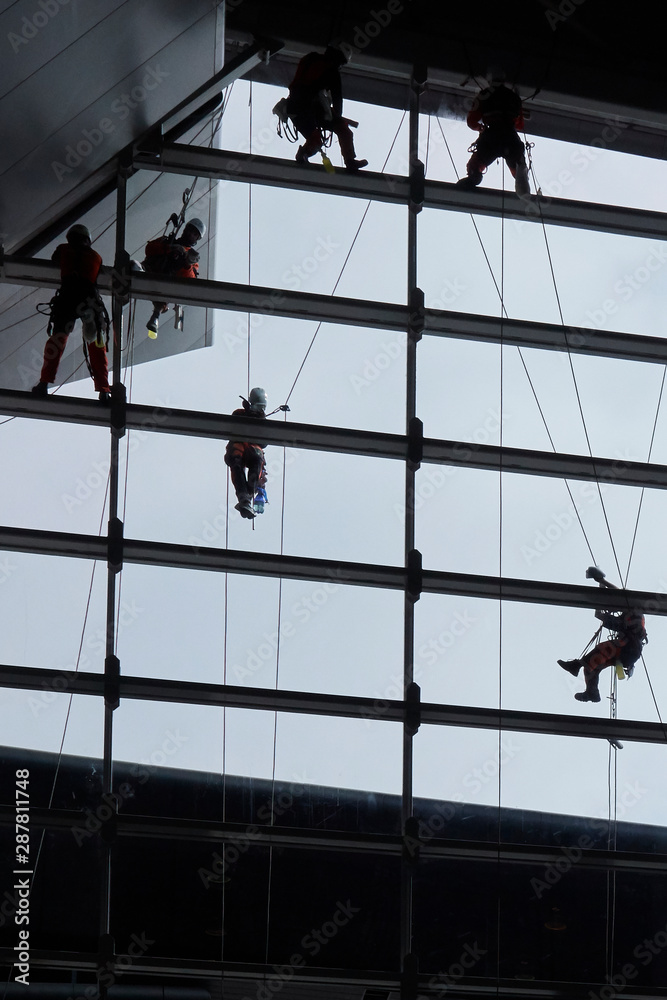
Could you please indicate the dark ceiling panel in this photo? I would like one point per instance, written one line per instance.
(102, 89)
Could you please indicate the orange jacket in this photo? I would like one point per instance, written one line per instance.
(79, 262)
(167, 256)
(496, 106)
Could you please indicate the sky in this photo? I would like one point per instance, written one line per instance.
(180, 624)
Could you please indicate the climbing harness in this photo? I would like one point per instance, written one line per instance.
(287, 128)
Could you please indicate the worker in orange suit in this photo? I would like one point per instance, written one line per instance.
(623, 647)
(242, 455)
(77, 298)
(175, 258)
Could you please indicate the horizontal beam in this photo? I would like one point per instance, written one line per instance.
(340, 440)
(392, 317)
(249, 168)
(338, 706)
(219, 832)
(175, 556)
(238, 977)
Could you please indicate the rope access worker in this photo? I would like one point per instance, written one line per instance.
(77, 298)
(624, 646)
(497, 114)
(175, 258)
(315, 106)
(242, 455)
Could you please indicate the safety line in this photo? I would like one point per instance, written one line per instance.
(523, 361)
(500, 577)
(129, 366)
(249, 227)
(222, 877)
(275, 714)
(641, 498)
(338, 279)
(612, 830)
(574, 378)
(576, 387)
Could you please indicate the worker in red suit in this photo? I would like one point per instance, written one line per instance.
(77, 298)
(315, 106)
(624, 646)
(242, 455)
(175, 258)
(497, 114)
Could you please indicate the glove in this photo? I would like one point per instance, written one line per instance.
(629, 671)
(593, 573)
(192, 256)
(260, 500)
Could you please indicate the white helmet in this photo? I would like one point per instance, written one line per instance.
(257, 399)
(79, 234)
(198, 225)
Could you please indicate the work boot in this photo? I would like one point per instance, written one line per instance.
(105, 396)
(590, 694)
(153, 325)
(301, 155)
(572, 666)
(354, 166)
(244, 506)
(178, 318)
(41, 389)
(470, 182)
(521, 182)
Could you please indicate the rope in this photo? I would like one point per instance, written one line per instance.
(648, 459)
(129, 365)
(612, 830)
(500, 596)
(224, 741)
(521, 357)
(76, 670)
(249, 230)
(574, 378)
(275, 714)
(604, 510)
(340, 275)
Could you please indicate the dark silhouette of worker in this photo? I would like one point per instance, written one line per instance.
(315, 106)
(175, 258)
(624, 646)
(497, 113)
(77, 298)
(242, 455)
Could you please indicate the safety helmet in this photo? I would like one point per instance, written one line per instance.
(336, 54)
(136, 267)
(79, 234)
(198, 225)
(257, 399)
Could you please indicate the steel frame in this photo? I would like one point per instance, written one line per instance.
(335, 706)
(250, 168)
(411, 318)
(359, 312)
(343, 440)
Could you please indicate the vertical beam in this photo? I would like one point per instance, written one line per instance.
(414, 432)
(114, 564)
